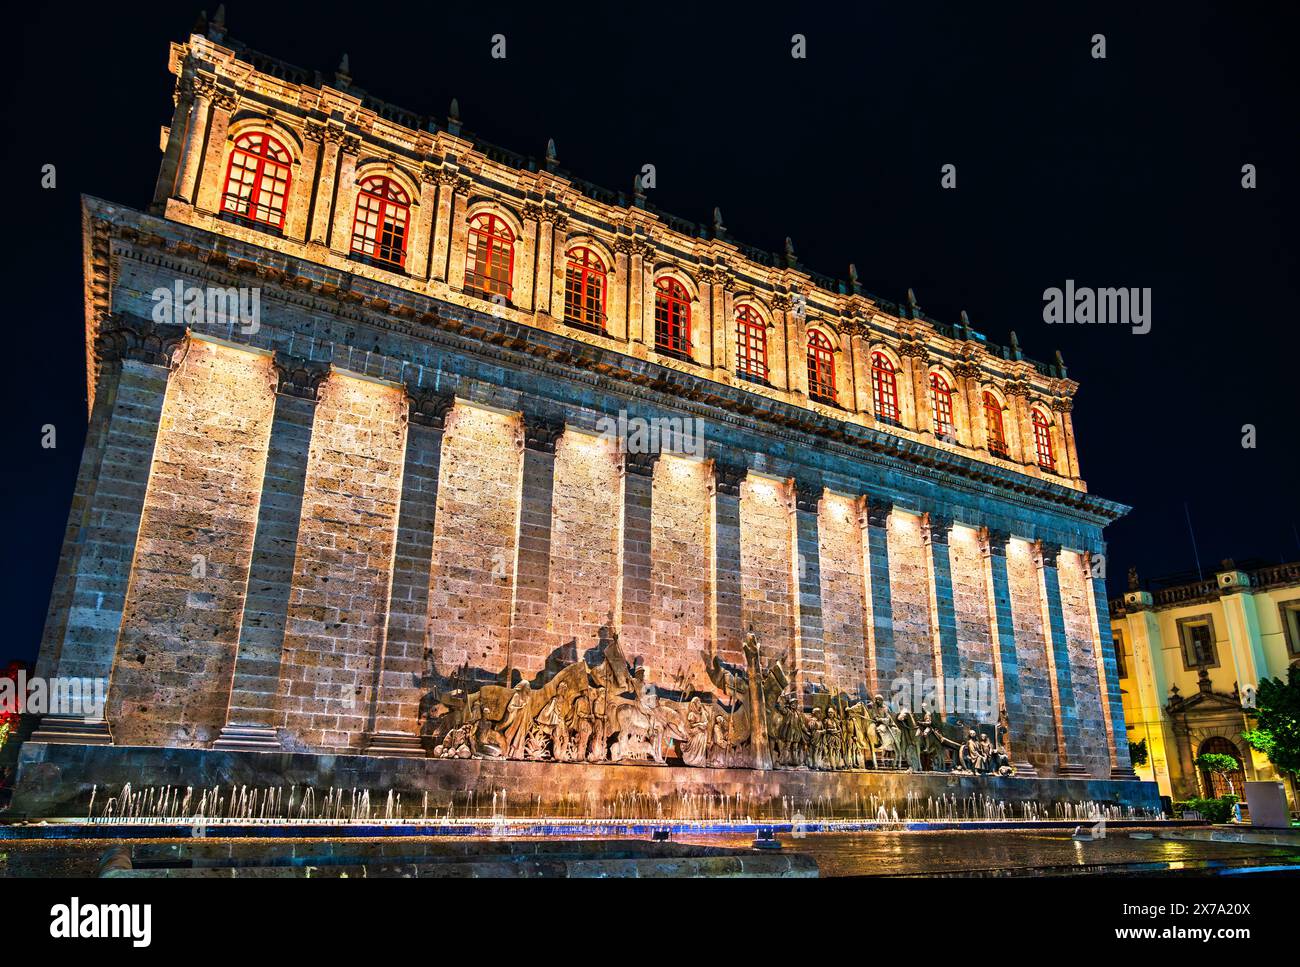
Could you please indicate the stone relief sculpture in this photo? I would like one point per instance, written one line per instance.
(611, 712)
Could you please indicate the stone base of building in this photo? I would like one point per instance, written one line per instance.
(57, 780)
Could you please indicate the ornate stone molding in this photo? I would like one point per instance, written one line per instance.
(937, 528)
(640, 464)
(878, 511)
(807, 495)
(1062, 404)
(994, 541)
(299, 377)
(428, 408)
(1046, 553)
(541, 433)
(127, 337)
(728, 477)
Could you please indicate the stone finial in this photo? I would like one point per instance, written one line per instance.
(913, 308)
(343, 75)
(854, 283)
(1060, 363)
(965, 324)
(789, 251)
(200, 23)
(552, 159)
(453, 117)
(1015, 346)
(216, 29)
(718, 227)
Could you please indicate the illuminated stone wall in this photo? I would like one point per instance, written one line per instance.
(477, 517)
(583, 574)
(1080, 633)
(339, 601)
(910, 581)
(842, 591)
(767, 567)
(970, 604)
(180, 627)
(1035, 736)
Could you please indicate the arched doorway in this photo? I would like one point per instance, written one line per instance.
(1218, 783)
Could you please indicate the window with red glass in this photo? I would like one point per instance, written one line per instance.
(751, 343)
(993, 422)
(489, 257)
(383, 212)
(672, 317)
(941, 405)
(584, 289)
(257, 179)
(884, 387)
(821, 366)
(1043, 441)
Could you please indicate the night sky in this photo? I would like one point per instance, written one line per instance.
(1117, 172)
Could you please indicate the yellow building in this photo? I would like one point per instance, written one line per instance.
(1190, 656)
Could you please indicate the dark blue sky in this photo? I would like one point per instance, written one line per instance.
(1120, 172)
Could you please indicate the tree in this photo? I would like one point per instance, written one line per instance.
(1277, 724)
(1221, 763)
(1137, 753)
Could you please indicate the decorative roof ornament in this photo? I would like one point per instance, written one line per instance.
(552, 159)
(718, 227)
(965, 325)
(1015, 346)
(854, 284)
(453, 117)
(1060, 364)
(913, 307)
(789, 252)
(217, 28)
(343, 75)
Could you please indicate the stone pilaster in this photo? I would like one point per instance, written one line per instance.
(395, 726)
(331, 143)
(211, 179)
(943, 613)
(345, 195)
(810, 657)
(638, 493)
(993, 546)
(875, 538)
(251, 713)
(528, 626)
(1058, 652)
(727, 625)
(1112, 704)
(441, 243)
(102, 573)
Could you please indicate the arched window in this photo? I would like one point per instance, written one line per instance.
(672, 317)
(997, 437)
(489, 257)
(257, 179)
(1043, 440)
(821, 366)
(383, 212)
(584, 289)
(884, 388)
(751, 344)
(941, 406)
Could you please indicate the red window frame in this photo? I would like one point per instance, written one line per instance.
(821, 366)
(584, 288)
(1043, 440)
(672, 317)
(751, 343)
(489, 257)
(258, 176)
(941, 406)
(997, 435)
(383, 214)
(884, 387)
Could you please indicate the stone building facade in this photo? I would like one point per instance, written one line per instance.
(1189, 653)
(292, 525)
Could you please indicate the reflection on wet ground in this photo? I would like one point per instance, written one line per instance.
(873, 853)
(1013, 853)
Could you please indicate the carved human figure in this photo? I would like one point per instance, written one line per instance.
(696, 752)
(598, 748)
(582, 724)
(515, 726)
(908, 751)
